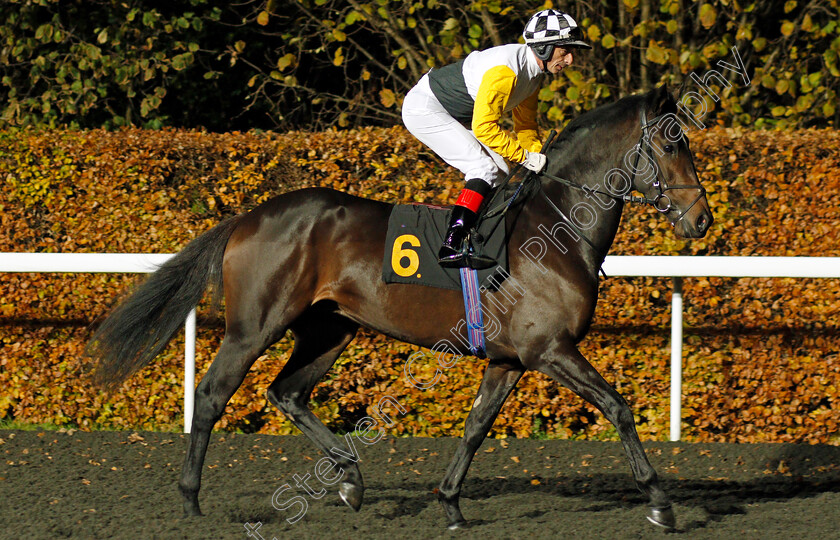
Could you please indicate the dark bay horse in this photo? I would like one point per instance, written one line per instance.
(310, 261)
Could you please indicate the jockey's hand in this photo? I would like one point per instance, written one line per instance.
(534, 161)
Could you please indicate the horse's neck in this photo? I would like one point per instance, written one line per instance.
(596, 217)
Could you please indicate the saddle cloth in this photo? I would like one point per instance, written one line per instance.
(415, 234)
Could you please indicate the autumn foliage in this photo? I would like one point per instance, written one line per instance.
(761, 355)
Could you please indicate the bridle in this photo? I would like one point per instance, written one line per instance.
(661, 202)
(657, 202)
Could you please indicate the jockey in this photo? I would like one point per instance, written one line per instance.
(455, 111)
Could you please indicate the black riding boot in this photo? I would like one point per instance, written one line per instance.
(456, 252)
(453, 253)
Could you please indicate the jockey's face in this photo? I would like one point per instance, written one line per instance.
(559, 60)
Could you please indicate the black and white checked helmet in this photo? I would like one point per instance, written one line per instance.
(550, 28)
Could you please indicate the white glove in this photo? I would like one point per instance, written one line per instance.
(534, 161)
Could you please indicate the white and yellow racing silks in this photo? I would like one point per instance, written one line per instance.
(504, 79)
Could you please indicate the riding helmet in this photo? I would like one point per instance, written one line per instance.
(550, 28)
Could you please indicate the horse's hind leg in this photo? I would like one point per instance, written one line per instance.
(499, 379)
(225, 375)
(320, 337)
(565, 364)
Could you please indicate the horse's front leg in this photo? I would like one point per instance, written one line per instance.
(565, 364)
(499, 379)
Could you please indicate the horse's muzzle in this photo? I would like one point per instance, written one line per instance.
(696, 228)
(704, 222)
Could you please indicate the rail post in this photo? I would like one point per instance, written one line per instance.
(189, 370)
(676, 358)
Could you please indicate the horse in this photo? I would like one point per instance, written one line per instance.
(310, 261)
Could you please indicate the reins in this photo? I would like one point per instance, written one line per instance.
(644, 147)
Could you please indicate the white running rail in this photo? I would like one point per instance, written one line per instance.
(636, 266)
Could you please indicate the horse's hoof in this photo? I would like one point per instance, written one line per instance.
(351, 494)
(458, 525)
(663, 517)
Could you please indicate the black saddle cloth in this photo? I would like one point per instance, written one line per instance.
(415, 234)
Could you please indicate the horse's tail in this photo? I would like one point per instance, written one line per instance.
(139, 328)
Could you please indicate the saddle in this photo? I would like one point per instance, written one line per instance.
(415, 231)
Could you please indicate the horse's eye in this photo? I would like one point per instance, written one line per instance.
(669, 148)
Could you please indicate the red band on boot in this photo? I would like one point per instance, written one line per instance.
(470, 200)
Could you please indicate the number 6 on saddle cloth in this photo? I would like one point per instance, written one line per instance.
(414, 228)
(415, 231)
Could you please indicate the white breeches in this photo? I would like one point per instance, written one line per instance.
(427, 120)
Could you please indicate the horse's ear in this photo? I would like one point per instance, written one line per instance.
(662, 98)
(681, 89)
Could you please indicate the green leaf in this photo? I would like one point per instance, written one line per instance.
(608, 41)
(803, 103)
(744, 32)
(285, 61)
(656, 53)
(555, 114)
(149, 18)
(475, 31)
(708, 15)
(450, 24)
(44, 32)
(182, 61)
(575, 76)
(695, 60)
(572, 93)
(787, 28)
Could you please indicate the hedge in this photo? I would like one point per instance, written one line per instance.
(761, 355)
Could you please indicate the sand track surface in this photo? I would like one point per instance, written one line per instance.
(124, 485)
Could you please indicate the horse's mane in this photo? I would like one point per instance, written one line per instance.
(574, 139)
(604, 114)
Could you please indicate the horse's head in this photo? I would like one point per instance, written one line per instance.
(662, 167)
